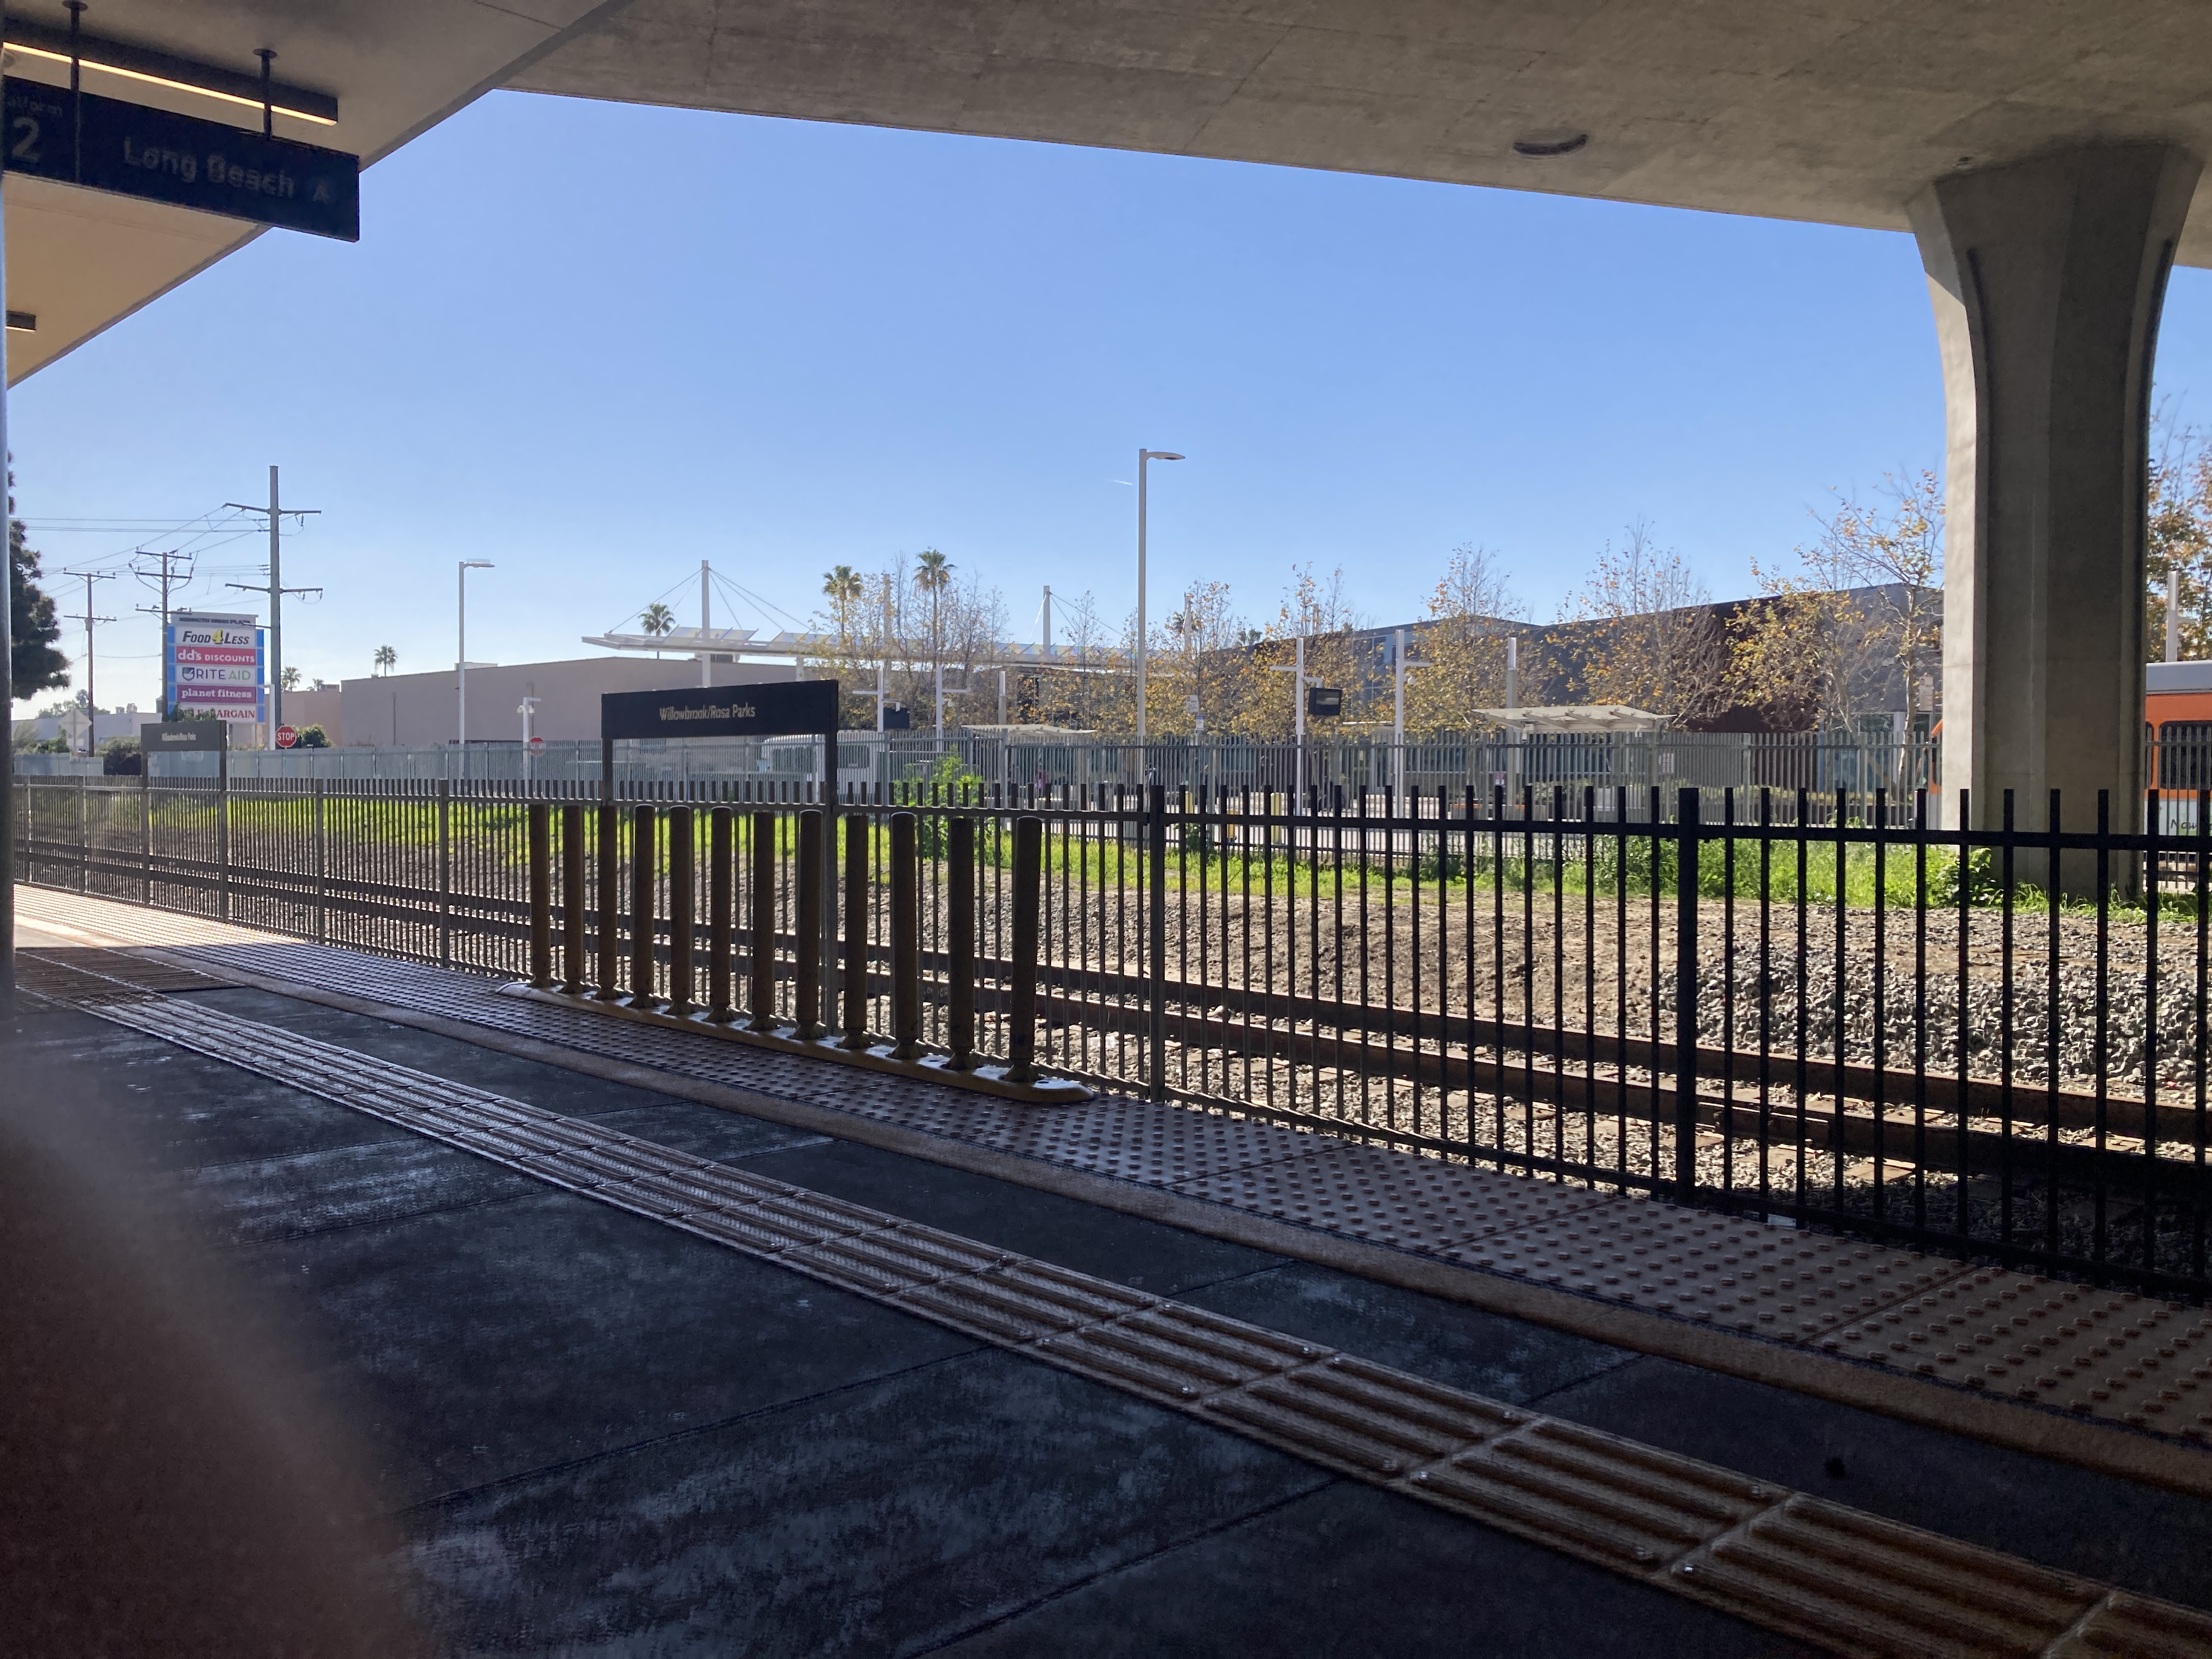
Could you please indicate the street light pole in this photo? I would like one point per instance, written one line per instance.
(706, 605)
(1144, 456)
(461, 658)
(1296, 670)
(1399, 668)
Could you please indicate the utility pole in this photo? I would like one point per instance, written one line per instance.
(165, 576)
(276, 591)
(91, 702)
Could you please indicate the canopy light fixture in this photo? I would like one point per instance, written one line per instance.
(1539, 145)
(160, 69)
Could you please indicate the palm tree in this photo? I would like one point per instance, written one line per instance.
(385, 659)
(657, 619)
(933, 576)
(843, 584)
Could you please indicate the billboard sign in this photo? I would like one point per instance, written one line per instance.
(215, 665)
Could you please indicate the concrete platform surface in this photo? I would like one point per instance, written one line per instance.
(601, 1435)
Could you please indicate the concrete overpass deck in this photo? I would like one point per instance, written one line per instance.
(597, 1425)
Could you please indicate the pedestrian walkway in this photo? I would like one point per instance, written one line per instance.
(406, 1242)
(2109, 1379)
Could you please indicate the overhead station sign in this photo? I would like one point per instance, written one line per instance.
(772, 708)
(105, 144)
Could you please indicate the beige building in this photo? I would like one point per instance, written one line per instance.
(413, 711)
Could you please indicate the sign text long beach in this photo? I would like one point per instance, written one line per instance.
(128, 149)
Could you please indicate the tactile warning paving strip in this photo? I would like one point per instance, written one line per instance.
(1742, 1275)
(2108, 1354)
(47, 973)
(1845, 1581)
(1385, 1198)
(34, 967)
(1159, 1146)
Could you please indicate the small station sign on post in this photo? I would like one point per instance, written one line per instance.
(772, 708)
(768, 708)
(187, 738)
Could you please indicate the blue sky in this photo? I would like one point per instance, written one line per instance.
(595, 343)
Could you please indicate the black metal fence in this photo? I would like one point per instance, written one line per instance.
(1990, 1041)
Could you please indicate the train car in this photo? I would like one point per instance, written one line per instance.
(2178, 709)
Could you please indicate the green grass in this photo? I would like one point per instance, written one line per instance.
(1634, 865)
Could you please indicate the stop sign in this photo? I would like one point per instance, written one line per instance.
(538, 745)
(286, 735)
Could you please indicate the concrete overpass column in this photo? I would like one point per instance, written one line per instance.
(2047, 277)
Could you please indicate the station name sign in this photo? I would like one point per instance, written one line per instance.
(773, 708)
(178, 737)
(105, 144)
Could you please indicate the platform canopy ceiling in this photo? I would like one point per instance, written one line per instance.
(79, 261)
(1833, 110)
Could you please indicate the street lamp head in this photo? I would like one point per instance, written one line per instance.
(1161, 455)
(476, 564)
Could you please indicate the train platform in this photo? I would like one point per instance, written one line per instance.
(662, 1343)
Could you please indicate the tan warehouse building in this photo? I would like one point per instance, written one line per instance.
(414, 711)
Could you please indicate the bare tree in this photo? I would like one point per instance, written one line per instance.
(1319, 611)
(1652, 640)
(1463, 644)
(1205, 658)
(1080, 696)
(2181, 540)
(1857, 626)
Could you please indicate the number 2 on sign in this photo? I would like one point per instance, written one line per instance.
(25, 146)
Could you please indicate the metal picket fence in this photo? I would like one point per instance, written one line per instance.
(1778, 1001)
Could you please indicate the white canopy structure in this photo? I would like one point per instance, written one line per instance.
(739, 643)
(1561, 719)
